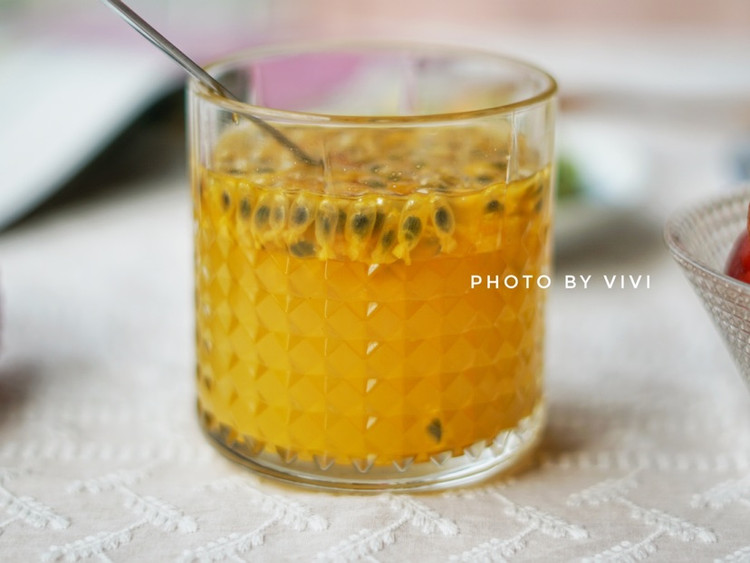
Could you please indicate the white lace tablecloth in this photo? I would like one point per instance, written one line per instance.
(646, 454)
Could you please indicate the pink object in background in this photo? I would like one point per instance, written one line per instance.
(279, 79)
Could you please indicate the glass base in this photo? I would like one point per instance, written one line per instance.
(443, 471)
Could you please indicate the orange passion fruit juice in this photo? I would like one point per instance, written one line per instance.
(336, 319)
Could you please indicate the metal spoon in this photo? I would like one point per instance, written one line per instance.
(192, 68)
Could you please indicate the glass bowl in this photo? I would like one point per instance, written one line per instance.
(700, 240)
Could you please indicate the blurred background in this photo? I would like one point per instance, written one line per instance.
(96, 270)
(87, 103)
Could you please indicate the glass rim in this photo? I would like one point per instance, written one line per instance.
(196, 88)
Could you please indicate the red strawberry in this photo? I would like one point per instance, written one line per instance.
(738, 266)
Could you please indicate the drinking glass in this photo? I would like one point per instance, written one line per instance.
(372, 246)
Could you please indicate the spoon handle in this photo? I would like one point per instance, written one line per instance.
(158, 40)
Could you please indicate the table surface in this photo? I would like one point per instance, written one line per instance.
(646, 452)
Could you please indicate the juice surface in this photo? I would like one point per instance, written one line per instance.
(336, 319)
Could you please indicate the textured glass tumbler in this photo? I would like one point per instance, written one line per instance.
(372, 245)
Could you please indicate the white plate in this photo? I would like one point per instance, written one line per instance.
(64, 103)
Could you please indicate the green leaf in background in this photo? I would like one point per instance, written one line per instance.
(569, 182)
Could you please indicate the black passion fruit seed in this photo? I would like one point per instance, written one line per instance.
(412, 227)
(435, 429)
(262, 214)
(484, 178)
(360, 223)
(443, 219)
(302, 249)
(245, 208)
(325, 224)
(493, 206)
(379, 220)
(388, 238)
(300, 215)
(226, 201)
(341, 223)
(326, 219)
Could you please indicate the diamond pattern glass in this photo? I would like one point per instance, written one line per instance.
(701, 240)
(340, 341)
